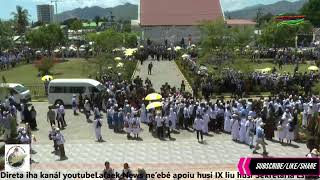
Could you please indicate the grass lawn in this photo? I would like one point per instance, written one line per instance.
(246, 66)
(27, 74)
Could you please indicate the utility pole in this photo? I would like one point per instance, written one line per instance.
(56, 7)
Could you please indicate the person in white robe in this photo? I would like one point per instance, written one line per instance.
(173, 118)
(227, 117)
(143, 114)
(281, 130)
(127, 124)
(290, 131)
(136, 128)
(97, 124)
(242, 132)
(305, 115)
(250, 129)
(235, 127)
(206, 120)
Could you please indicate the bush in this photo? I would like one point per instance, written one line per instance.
(44, 65)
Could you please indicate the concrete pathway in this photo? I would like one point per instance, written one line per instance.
(162, 72)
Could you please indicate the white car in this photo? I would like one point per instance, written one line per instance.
(20, 93)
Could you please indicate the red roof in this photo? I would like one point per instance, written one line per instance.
(178, 12)
(240, 22)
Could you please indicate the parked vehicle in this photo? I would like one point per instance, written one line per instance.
(60, 91)
(20, 93)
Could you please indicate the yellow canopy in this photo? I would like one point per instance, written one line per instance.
(153, 96)
(154, 105)
(313, 68)
(129, 52)
(46, 77)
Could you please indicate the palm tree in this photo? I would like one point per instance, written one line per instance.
(21, 18)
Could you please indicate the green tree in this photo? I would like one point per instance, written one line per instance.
(97, 19)
(311, 10)
(276, 35)
(217, 42)
(106, 40)
(6, 34)
(76, 25)
(243, 36)
(130, 40)
(21, 18)
(47, 37)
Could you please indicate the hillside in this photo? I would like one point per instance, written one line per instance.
(123, 12)
(276, 8)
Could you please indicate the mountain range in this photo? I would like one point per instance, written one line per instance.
(130, 11)
(122, 12)
(275, 9)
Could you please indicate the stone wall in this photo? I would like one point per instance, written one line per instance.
(173, 34)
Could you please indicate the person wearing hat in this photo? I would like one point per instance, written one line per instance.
(235, 127)
(59, 137)
(97, 124)
(227, 117)
(159, 125)
(173, 118)
(74, 104)
(260, 139)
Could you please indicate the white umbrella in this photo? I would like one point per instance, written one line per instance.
(177, 48)
(120, 65)
(56, 51)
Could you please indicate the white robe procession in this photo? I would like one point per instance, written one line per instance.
(235, 129)
(206, 120)
(97, 124)
(143, 114)
(128, 124)
(290, 134)
(227, 125)
(242, 132)
(173, 118)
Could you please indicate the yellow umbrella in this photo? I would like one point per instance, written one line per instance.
(313, 68)
(117, 58)
(154, 105)
(46, 77)
(153, 96)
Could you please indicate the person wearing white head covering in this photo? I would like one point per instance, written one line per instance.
(290, 131)
(143, 114)
(97, 124)
(74, 104)
(235, 127)
(250, 129)
(305, 114)
(173, 118)
(206, 120)
(260, 139)
(62, 111)
(227, 117)
(242, 132)
(87, 109)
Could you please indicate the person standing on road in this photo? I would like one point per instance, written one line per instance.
(74, 104)
(260, 139)
(198, 126)
(59, 117)
(97, 124)
(60, 143)
(33, 122)
(51, 116)
(52, 134)
(150, 65)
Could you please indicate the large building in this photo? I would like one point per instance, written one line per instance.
(45, 13)
(173, 20)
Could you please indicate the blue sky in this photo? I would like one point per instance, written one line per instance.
(8, 6)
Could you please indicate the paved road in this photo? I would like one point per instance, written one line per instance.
(182, 154)
(162, 72)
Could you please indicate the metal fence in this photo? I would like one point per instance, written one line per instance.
(37, 90)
